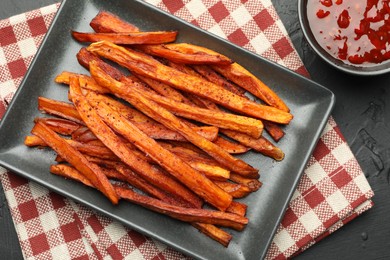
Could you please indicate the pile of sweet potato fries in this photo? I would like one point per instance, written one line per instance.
(160, 127)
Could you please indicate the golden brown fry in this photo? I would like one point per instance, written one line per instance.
(178, 168)
(143, 65)
(122, 150)
(91, 171)
(127, 38)
(106, 22)
(185, 53)
(170, 121)
(242, 77)
(218, 218)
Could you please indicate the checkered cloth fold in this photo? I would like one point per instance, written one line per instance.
(332, 192)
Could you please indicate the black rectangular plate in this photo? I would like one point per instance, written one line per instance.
(309, 102)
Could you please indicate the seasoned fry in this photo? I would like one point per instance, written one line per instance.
(170, 121)
(70, 172)
(84, 57)
(106, 22)
(61, 126)
(185, 53)
(210, 230)
(221, 119)
(165, 90)
(91, 171)
(32, 140)
(274, 130)
(261, 144)
(230, 147)
(215, 233)
(210, 74)
(127, 38)
(146, 66)
(89, 149)
(242, 77)
(234, 189)
(237, 208)
(218, 218)
(252, 184)
(120, 149)
(85, 81)
(178, 168)
(120, 171)
(84, 135)
(247, 125)
(59, 108)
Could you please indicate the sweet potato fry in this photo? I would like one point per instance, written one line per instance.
(211, 171)
(120, 149)
(91, 171)
(242, 77)
(85, 81)
(185, 53)
(121, 172)
(274, 130)
(235, 189)
(92, 150)
(261, 144)
(127, 38)
(84, 135)
(106, 22)
(178, 168)
(214, 232)
(237, 208)
(165, 90)
(252, 184)
(59, 108)
(230, 147)
(169, 120)
(146, 66)
(70, 172)
(210, 230)
(250, 126)
(218, 218)
(210, 74)
(61, 126)
(33, 140)
(84, 57)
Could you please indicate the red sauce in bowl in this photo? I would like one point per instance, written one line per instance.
(354, 31)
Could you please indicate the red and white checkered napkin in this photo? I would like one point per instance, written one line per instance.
(332, 192)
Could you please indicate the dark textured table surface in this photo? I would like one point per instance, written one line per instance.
(362, 112)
